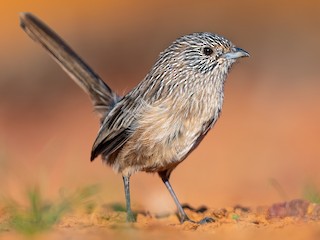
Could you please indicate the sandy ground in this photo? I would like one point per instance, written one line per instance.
(296, 219)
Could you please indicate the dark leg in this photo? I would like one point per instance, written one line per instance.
(182, 214)
(130, 215)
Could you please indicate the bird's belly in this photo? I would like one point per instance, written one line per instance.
(158, 146)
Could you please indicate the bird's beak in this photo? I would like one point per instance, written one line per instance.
(236, 53)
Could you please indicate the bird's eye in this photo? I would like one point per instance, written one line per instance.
(207, 51)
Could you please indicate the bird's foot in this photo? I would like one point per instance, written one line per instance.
(201, 222)
(206, 220)
(131, 217)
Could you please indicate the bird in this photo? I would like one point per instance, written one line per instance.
(156, 125)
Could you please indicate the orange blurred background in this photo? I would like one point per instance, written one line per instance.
(269, 128)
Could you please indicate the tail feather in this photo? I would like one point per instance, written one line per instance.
(102, 96)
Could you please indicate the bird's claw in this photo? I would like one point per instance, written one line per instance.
(130, 217)
(203, 221)
(206, 220)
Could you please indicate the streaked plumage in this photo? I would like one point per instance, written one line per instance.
(158, 123)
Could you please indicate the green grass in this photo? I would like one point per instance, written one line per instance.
(40, 215)
(235, 217)
(311, 193)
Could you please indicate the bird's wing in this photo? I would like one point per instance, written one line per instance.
(116, 128)
(108, 142)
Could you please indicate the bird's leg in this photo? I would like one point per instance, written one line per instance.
(182, 214)
(130, 215)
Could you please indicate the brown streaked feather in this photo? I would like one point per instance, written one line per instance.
(117, 127)
(107, 146)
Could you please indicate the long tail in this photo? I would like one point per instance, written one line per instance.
(102, 96)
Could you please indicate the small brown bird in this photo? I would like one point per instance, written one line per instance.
(162, 120)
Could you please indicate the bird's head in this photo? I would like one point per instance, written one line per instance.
(201, 53)
(206, 51)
